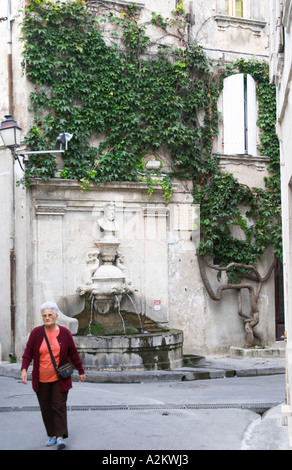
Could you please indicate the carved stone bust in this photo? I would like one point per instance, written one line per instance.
(107, 222)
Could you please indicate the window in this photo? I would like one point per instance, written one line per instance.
(240, 115)
(234, 8)
(251, 15)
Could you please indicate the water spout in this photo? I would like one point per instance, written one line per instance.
(138, 315)
(90, 321)
(119, 312)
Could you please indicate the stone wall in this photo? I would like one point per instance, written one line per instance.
(158, 243)
(155, 244)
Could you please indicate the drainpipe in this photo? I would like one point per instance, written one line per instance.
(9, 57)
(12, 186)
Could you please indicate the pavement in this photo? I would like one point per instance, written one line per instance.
(159, 409)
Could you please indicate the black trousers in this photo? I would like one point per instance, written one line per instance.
(53, 408)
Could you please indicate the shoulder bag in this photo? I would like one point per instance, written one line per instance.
(66, 370)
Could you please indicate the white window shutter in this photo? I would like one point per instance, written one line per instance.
(221, 7)
(251, 117)
(233, 115)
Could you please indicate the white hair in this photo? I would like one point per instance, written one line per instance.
(51, 306)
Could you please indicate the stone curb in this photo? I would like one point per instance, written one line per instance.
(183, 374)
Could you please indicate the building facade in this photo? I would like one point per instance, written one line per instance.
(48, 229)
(281, 73)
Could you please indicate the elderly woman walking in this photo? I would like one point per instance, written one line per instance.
(50, 389)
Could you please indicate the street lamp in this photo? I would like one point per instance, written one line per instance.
(11, 133)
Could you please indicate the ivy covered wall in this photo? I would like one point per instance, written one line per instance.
(132, 104)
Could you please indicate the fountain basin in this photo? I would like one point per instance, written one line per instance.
(161, 350)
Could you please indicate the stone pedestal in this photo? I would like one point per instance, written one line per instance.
(242, 353)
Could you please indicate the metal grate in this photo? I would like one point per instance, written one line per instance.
(258, 407)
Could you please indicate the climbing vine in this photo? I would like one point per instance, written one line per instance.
(122, 104)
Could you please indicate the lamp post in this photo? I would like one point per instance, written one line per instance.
(11, 135)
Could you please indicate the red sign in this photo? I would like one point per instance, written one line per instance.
(157, 304)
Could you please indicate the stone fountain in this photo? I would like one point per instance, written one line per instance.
(105, 273)
(105, 284)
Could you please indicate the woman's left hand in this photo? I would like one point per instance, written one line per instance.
(82, 377)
